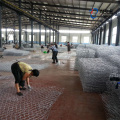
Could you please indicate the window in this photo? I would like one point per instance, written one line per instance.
(106, 40)
(114, 35)
(86, 40)
(30, 37)
(63, 38)
(42, 38)
(22, 37)
(51, 38)
(10, 37)
(3, 35)
(74, 39)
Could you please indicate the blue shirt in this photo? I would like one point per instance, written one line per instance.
(53, 48)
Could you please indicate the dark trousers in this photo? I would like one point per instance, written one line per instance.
(18, 74)
(55, 56)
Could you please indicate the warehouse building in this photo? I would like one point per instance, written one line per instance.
(83, 84)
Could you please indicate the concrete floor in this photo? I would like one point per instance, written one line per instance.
(71, 104)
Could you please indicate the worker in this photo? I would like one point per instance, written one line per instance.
(55, 52)
(22, 72)
(68, 47)
(56, 45)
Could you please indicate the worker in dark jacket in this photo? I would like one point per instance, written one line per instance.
(22, 72)
(55, 52)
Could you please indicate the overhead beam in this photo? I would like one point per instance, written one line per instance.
(20, 11)
(69, 7)
(70, 18)
(104, 1)
(61, 12)
(106, 19)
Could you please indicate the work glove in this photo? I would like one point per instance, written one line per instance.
(29, 87)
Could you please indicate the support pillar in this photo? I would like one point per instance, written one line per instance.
(118, 32)
(31, 26)
(40, 30)
(45, 35)
(104, 34)
(19, 18)
(6, 32)
(110, 31)
(39, 34)
(20, 31)
(100, 36)
(26, 33)
(58, 34)
(31, 33)
(53, 36)
(49, 36)
(0, 26)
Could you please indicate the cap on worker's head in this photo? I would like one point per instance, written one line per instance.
(35, 72)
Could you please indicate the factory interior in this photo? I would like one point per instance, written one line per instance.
(59, 59)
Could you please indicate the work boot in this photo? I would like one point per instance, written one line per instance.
(19, 94)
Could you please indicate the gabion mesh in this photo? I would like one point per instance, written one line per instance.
(1, 49)
(29, 49)
(62, 49)
(113, 59)
(14, 52)
(94, 73)
(33, 105)
(6, 66)
(83, 53)
(111, 99)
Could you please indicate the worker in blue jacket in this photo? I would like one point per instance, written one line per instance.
(55, 52)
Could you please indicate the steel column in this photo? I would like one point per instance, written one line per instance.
(49, 36)
(31, 26)
(19, 19)
(118, 32)
(58, 34)
(0, 26)
(97, 36)
(6, 31)
(31, 33)
(100, 36)
(40, 30)
(14, 35)
(14, 31)
(45, 35)
(39, 34)
(26, 33)
(104, 34)
(20, 31)
(110, 31)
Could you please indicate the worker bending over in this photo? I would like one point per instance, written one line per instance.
(22, 72)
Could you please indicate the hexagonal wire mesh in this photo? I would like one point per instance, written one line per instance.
(33, 105)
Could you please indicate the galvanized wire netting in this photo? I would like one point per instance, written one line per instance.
(111, 98)
(83, 53)
(14, 52)
(94, 73)
(6, 66)
(33, 105)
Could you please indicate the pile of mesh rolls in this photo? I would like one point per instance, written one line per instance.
(15, 52)
(94, 73)
(111, 100)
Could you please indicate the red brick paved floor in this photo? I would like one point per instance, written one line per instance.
(73, 104)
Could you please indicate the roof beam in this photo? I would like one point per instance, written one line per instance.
(70, 18)
(69, 7)
(20, 11)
